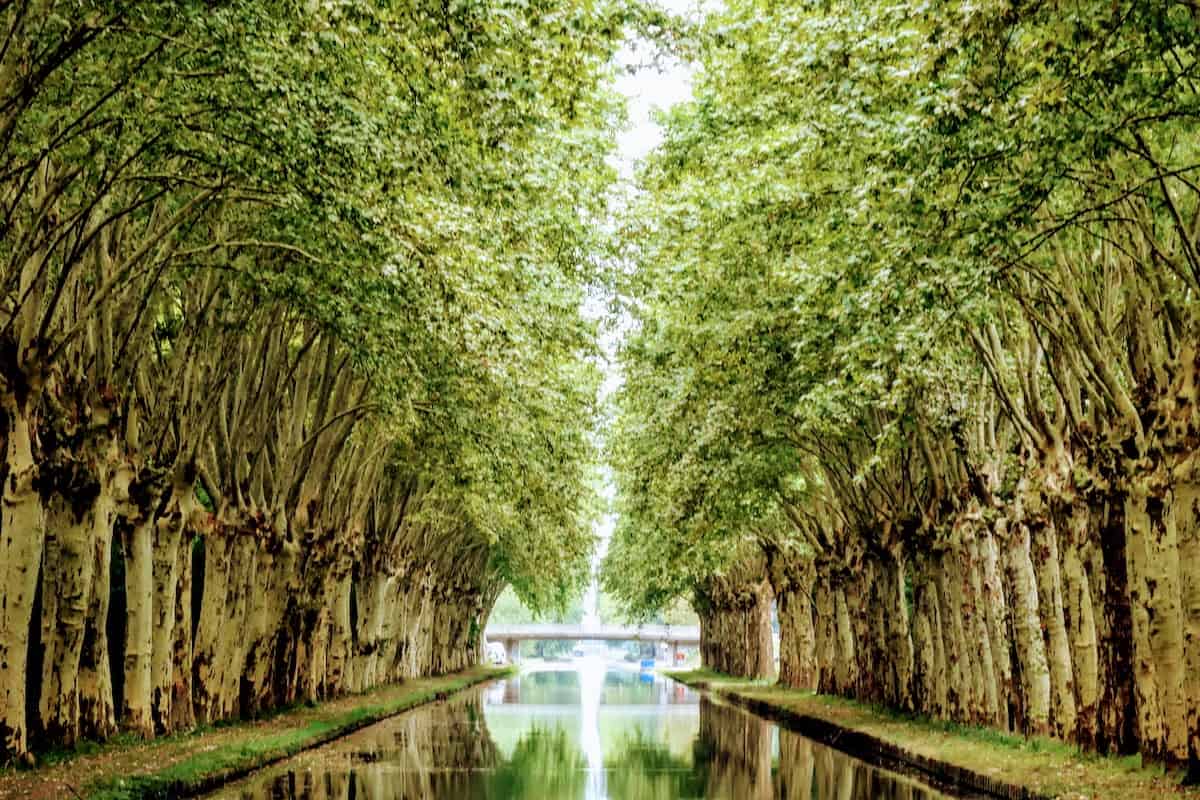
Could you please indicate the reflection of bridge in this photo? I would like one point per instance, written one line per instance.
(674, 635)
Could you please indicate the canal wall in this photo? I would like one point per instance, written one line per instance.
(872, 749)
(188, 766)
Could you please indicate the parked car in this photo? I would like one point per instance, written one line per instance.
(496, 654)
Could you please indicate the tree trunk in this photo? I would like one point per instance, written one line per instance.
(276, 567)
(208, 664)
(735, 623)
(1120, 710)
(1031, 652)
(22, 533)
(181, 715)
(941, 672)
(797, 641)
(1044, 541)
(138, 541)
(995, 608)
(967, 674)
(66, 596)
(97, 714)
(167, 536)
(1187, 501)
(1158, 637)
(826, 637)
(900, 637)
(977, 627)
(1181, 433)
(340, 643)
(925, 656)
(231, 639)
(1081, 623)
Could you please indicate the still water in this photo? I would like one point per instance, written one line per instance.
(589, 732)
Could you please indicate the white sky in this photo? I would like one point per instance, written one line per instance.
(647, 89)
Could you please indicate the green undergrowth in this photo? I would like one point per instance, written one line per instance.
(1049, 766)
(209, 768)
(708, 677)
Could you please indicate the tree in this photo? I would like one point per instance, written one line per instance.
(292, 332)
(918, 281)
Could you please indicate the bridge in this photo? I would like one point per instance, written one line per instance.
(512, 635)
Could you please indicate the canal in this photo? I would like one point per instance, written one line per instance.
(587, 731)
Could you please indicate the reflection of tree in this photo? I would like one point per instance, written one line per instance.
(811, 771)
(627, 688)
(547, 648)
(643, 767)
(552, 687)
(544, 764)
(736, 747)
(436, 751)
(794, 780)
(445, 751)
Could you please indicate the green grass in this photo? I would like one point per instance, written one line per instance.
(1048, 765)
(703, 675)
(238, 758)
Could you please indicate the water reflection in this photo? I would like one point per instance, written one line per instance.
(579, 734)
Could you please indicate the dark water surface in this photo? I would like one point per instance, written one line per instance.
(585, 733)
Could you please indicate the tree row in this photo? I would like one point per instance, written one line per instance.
(915, 293)
(293, 371)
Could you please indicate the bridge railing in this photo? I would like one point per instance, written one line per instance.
(660, 633)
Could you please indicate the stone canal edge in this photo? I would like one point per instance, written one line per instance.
(940, 774)
(191, 764)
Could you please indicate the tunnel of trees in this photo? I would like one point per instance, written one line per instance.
(296, 371)
(294, 376)
(914, 350)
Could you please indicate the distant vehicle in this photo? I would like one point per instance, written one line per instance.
(577, 652)
(496, 654)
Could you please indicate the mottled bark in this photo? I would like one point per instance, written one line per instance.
(792, 583)
(97, 713)
(1081, 625)
(735, 622)
(208, 662)
(1044, 546)
(138, 547)
(1030, 647)
(167, 547)
(1119, 709)
(181, 714)
(899, 640)
(1152, 731)
(826, 638)
(977, 631)
(996, 611)
(66, 595)
(1187, 500)
(22, 530)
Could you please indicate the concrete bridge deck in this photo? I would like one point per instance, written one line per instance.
(677, 635)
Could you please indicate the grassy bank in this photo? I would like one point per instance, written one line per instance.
(1045, 767)
(188, 764)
